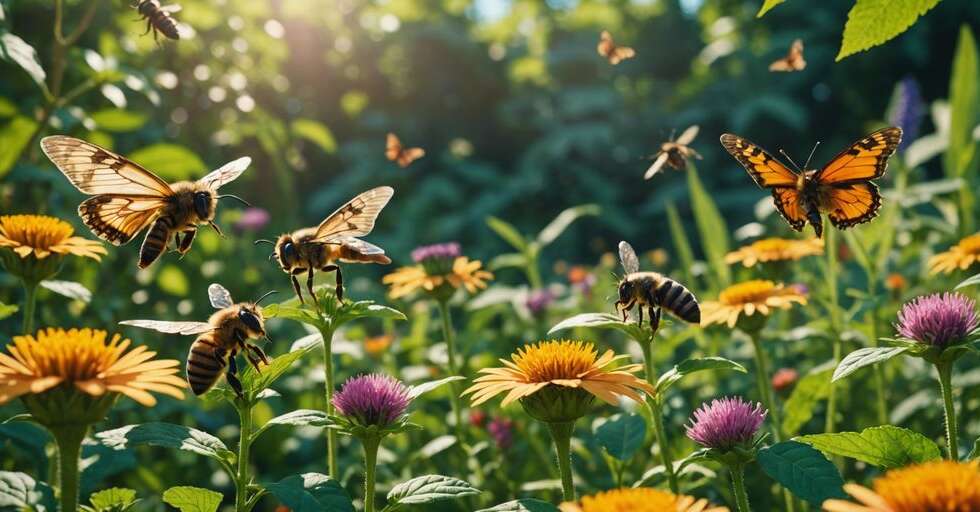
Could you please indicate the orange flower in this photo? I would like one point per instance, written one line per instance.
(749, 298)
(43, 236)
(640, 500)
(960, 256)
(937, 486)
(775, 249)
(439, 269)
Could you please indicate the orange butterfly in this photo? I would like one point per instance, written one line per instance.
(614, 54)
(793, 61)
(842, 189)
(398, 153)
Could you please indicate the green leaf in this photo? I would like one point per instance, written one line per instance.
(7, 310)
(311, 492)
(366, 309)
(865, 357)
(803, 470)
(767, 6)
(167, 435)
(698, 364)
(436, 446)
(70, 289)
(315, 132)
(192, 499)
(602, 321)
(524, 505)
(15, 135)
(556, 227)
(169, 161)
(114, 499)
(421, 389)
(21, 492)
(300, 417)
(16, 50)
(975, 452)
(970, 281)
(622, 435)
(808, 392)
(682, 246)
(428, 489)
(711, 226)
(510, 259)
(118, 120)
(964, 96)
(873, 22)
(508, 232)
(254, 382)
(886, 446)
(172, 280)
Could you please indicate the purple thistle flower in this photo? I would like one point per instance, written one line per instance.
(907, 110)
(252, 219)
(726, 422)
(502, 432)
(938, 319)
(447, 251)
(375, 399)
(539, 300)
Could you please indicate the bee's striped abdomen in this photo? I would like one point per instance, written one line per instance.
(155, 241)
(204, 365)
(678, 300)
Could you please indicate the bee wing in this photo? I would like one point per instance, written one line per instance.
(172, 8)
(628, 257)
(360, 245)
(688, 136)
(657, 165)
(219, 296)
(356, 218)
(226, 173)
(185, 328)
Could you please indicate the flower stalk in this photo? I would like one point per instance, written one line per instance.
(326, 333)
(450, 337)
(242, 477)
(738, 487)
(69, 439)
(656, 406)
(835, 327)
(945, 370)
(762, 382)
(370, 445)
(30, 303)
(561, 434)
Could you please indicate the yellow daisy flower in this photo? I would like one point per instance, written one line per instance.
(439, 269)
(640, 500)
(775, 249)
(938, 486)
(960, 256)
(749, 298)
(43, 236)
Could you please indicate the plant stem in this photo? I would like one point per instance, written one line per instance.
(370, 463)
(765, 390)
(945, 370)
(533, 272)
(327, 334)
(242, 479)
(30, 303)
(738, 486)
(69, 440)
(879, 371)
(561, 433)
(450, 337)
(835, 328)
(657, 413)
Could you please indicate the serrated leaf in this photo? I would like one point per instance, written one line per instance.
(508, 232)
(622, 435)
(698, 364)
(885, 446)
(16, 50)
(602, 321)
(873, 22)
(428, 489)
(970, 281)
(113, 499)
(556, 227)
(167, 435)
(192, 499)
(803, 470)
(311, 492)
(7, 310)
(70, 289)
(524, 505)
(20, 491)
(865, 357)
(767, 6)
(808, 392)
(421, 389)
(315, 132)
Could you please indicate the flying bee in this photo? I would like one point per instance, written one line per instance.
(333, 241)
(220, 339)
(159, 18)
(654, 291)
(675, 152)
(128, 198)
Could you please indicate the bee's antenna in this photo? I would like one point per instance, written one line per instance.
(264, 296)
(784, 153)
(236, 198)
(263, 241)
(811, 154)
(216, 228)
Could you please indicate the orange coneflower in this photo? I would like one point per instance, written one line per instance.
(960, 256)
(640, 499)
(43, 236)
(439, 269)
(748, 298)
(937, 486)
(775, 249)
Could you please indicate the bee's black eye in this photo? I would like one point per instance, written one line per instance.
(288, 253)
(202, 204)
(250, 320)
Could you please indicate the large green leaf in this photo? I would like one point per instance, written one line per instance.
(118, 120)
(523, 505)
(254, 382)
(169, 161)
(192, 499)
(556, 227)
(808, 392)
(602, 321)
(767, 6)
(865, 357)
(711, 226)
(315, 132)
(15, 135)
(16, 50)
(21, 492)
(428, 489)
(167, 435)
(682, 246)
(803, 470)
(886, 446)
(964, 97)
(697, 364)
(622, 435)
(311, 492)
(873, 22)
(508, 232)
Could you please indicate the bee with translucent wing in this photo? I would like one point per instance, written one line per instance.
(653, 291)
(675, 153)
(159, 18)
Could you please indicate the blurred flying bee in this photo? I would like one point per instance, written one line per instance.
(675, 152)
(653, 291)
(614, 54)
(221, 338)
(333, 241)
(793, 61)
(159, 18)
(129, 198)
(396, 152)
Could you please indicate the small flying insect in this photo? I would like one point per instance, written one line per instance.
(159, 18)
(220, 339)
(653, 291)
(397, 152)
(608, 49)
(675, 152)
(793, 61)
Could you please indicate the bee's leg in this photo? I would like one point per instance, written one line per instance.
(309, 286)
(185, 243)
(210, 222)
(623, 310)
(232, 375)
(258, 352)
(299, 292)
(149, 26)
(654, 318)
(340, 280)
(639, 310)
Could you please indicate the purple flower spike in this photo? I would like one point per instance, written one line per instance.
(375, 399)
(725, 423)
(447, 251)
(938, 320)
(907, 110)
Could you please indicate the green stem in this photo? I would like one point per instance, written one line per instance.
(327, 334)
(657, 413)
(450, 337)
(765, 389)
(30, 303)
(945, 370)
(69, 440)
(835, 328)
(370, 463)
(242, 478)
(533, 272)
(561, 433)
(738, 486)
(879, 371)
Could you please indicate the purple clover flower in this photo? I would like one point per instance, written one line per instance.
(502, 432)
(938, 319)
(375, 399)
(252, 219)
(447, 251)
(907, 110)
(539, 300)
(726, 422)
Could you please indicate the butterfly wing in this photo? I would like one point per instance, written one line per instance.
(621, 53)
(864, 160)
(95, 170)
(848, 205)
(627, 256)
(186, 328)
(764, 169)
(606, 44)
(410, 155)
(117, 219)
(356, 218)
(787, 201)
(393, 147)
(226, 173)
(657, 165)
(219, 296)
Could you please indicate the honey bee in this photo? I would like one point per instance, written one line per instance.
(675, 152)
(654, 291)
(158, 18)
(128, 198)
(220, 339)
(614, 54)
(333, 241)
(793, 61)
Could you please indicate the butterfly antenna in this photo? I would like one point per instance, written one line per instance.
(784, 153)
(265, 295)
(812, 151)
(236, 198)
